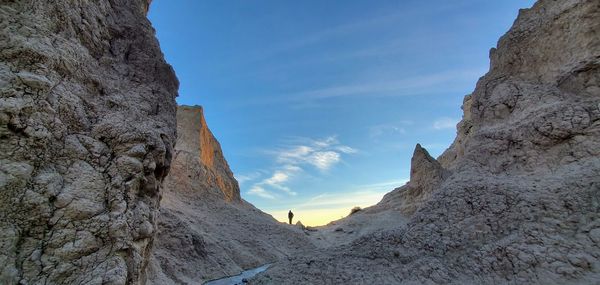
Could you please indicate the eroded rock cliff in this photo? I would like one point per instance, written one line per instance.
(87, 126)
(520, 201)
(206, 231)
(199, 164)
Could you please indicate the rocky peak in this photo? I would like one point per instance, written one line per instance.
(425, 171)
(194, 137)
(199, 166)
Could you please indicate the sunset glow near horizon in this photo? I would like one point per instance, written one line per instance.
(318, 104)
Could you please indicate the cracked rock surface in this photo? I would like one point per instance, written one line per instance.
(516, 198)
(87, 128)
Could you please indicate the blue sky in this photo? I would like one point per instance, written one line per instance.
(318, 104)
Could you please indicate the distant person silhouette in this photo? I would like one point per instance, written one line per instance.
(290, 216)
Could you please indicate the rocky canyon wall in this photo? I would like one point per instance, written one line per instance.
(206, 231)
(516, 198)
(199, 164)
(87, 127)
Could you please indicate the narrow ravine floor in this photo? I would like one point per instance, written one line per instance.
(239, 279)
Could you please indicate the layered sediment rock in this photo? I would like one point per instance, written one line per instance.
(87, 126)
(206, 231)
(520, 201)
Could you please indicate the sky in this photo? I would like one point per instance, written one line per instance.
(318, 105)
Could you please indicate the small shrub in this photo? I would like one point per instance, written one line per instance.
(355, 209)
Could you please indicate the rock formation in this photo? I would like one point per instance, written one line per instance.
(199, 164)
(206, 231)
(516, 198)
(426, 174)
(87, 126)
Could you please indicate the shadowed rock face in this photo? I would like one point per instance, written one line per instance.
(521, 199)
(87, 126)
(206, 231)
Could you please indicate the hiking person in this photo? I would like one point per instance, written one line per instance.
(290, 216)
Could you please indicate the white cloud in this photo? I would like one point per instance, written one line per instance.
(261, 192)
(278, 179)
(294, 154)
(323, 160)
(276, 182)
(445, 123)
(326, 142)
(346, 149)
(322, 154)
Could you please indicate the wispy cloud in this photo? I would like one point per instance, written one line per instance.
(445, 123)
(275, 183)
(261, 192)
(244, 178)
(383, 186)
(346, 149)
(389, 129)
(329, 33)
(346, 200)
(321, 154)
(399, 87)
(363, 25)
(280, 177)
(374, 87)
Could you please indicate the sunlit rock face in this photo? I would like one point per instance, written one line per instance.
(199, 164)
(87, 128)
(519, 196)
(206, 231)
